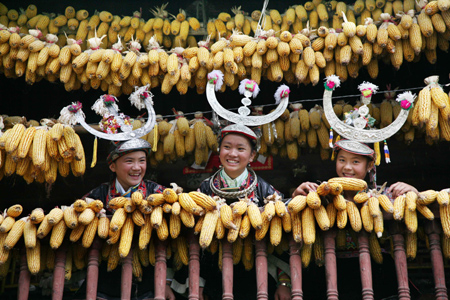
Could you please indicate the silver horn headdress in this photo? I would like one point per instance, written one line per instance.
(113, 122)
(248, 88)
(358, 124)
(106, 106)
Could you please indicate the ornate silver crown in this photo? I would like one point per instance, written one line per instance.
(106, 106)
(356, 131)
(248, 88)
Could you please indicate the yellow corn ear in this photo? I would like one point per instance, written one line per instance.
(354, 216)
(103, 226)
(313, 200)
(375, 249)
(386, 203)
(297, 204)
(89, 233)
(261, 233)
(39, 148)
(70, 217)
(411, 220)
(37, 215)
(227, 217)
(339, 202)
(208, 228)
(275, 231)
(14, 234)
(44, 228)
(308, 226)
(29, 234)
(163, 230)
(255, 216)
(34, 258)
(55, 215)
(58, 233)
(126, 237)
(367, 219)
(118, 219)
(321, 216)
(187, 218)
(349, 184)
(425, 211)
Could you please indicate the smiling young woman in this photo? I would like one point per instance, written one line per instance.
(356, 160)
(128, 162)
(130, 169)
(235, 179)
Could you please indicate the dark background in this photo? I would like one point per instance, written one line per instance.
(424, 166)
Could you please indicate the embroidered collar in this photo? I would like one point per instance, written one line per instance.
(239, 181)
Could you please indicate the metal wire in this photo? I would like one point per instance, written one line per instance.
(301, 101)
(306, 100)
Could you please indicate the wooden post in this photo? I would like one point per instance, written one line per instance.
(160, 270)
(400, 261)
(432, 228)
(59, 272)
(365, 266)
(23, 288)
(295, 263)
(194, 266)
(227, 270)
(330, 264)
(92, 270)
(127, 276)
(261, 270)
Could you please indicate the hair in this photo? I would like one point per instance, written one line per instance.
(251, 142)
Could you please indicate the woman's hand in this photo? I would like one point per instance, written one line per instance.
(400, 188)
(305, 188)
(283, 293)
(169, 295)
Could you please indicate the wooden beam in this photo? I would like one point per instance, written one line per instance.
(365, 266)
(433, 229)
(400, 261)
(261, 270)
(194, 266)
(295, 264)
(24, 277)
(227, 270)
(330, 264)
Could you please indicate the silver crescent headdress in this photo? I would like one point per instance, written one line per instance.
(106, 106)
(357, 132)
(354, 128)
(248, 88)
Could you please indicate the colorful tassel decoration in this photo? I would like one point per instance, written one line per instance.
(330, 140)
(387, 156)
(376, 148)
(333, 155)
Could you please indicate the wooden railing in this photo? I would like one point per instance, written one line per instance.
(432, 229)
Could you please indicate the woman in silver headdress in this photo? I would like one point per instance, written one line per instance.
(128, 162)
(235, 180)
(356, 160)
